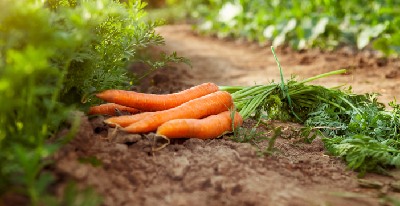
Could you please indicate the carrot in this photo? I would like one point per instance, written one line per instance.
(156, 102)
(210, 104)
(110, 109)
(210, 127)
(126, 120)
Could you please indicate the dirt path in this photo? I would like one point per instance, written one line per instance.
(230, 63)
(220, 171)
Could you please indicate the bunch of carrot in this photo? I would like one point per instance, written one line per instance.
(199, 112)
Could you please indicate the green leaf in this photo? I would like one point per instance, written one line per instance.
(319, 28)
(280, 39)
(367, 33)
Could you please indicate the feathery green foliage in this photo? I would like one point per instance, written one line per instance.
(357, 126)
(53, 54)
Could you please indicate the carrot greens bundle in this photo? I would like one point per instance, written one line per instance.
(356, 126)
(291, 102)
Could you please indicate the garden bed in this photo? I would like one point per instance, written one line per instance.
(127, 169)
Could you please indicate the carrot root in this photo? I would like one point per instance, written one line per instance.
(126, 120)
(111, 109)
(156, 149)
(156, 102)
(210, 127)
(204, 106)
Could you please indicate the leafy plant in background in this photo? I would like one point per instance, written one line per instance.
(53, 54)
(304, 24)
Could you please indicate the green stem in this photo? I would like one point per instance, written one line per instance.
(283, 86)
(280, 69)
(231, 89)
(250, 91)
(340, 71)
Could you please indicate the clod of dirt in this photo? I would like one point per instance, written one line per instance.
(160, 78)
(97, 121)
(392, 74)
(307, 60)
(395, 186)
(126, 138)
(121, 147)
(381, 62)
(178, 168)
(98, 125)
(370, 184)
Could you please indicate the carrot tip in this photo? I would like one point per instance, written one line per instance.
(111, 124)
(123, 129)
(100, 95)
(103, 94)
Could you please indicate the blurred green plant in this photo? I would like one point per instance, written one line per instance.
(74, 196)
(304, 24)
(53, 55)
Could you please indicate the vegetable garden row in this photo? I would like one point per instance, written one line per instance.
(303, 24)
(57, 56)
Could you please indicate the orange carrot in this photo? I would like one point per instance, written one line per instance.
(110, 109)
(204, 106)
(126, 120)
(210, 127)
(156, 102)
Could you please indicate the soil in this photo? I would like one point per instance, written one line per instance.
(142, 170)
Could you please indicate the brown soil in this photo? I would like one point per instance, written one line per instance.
(136, 170)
